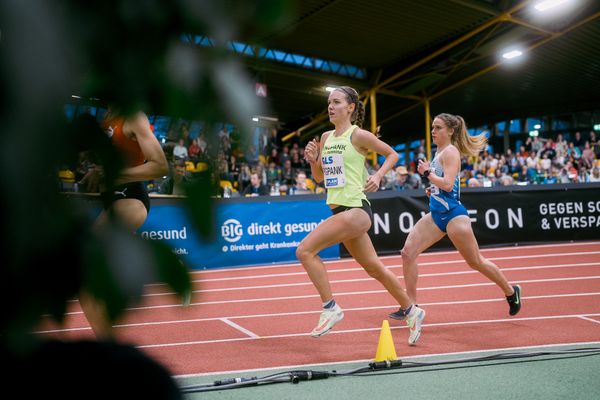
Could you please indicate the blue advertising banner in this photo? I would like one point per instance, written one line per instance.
(247, 233)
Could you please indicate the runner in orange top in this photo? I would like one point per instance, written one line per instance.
(144, 159)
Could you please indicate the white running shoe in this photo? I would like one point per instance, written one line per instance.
(328, 319)
(414, 324)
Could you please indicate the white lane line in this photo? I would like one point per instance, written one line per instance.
(589, 319)
(308, 296)
(428, 254)
(358, 268)
(239, 328)
(378, 328)
(308, 283)
(296, 313)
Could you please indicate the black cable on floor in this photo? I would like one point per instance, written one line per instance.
(386, 367)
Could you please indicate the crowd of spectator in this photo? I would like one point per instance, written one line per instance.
(538, 161)
(276, 168)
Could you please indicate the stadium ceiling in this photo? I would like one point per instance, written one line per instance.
(441, 55)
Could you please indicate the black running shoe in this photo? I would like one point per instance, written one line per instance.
(514, 300)
(400, 314)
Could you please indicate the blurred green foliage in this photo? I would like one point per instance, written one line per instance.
(131, 53)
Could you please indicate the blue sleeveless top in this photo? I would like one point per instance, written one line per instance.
(440, 200)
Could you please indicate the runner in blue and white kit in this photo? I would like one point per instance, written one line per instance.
(447, 215)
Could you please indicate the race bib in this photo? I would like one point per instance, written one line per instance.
(333, 171)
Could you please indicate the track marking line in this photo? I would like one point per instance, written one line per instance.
(350, 293)
(178, 305)
(428, 254)
(421, 264)
(377, 328)
(358, 268)
(589, 319)
(239, 328)
(296, 313)
(367, 279)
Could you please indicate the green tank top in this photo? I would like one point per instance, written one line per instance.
(344, 170)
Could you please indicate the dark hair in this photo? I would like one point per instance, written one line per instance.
(358, 115)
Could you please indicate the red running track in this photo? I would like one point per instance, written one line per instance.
(260, 317)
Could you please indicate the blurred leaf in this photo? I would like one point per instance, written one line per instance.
(128, 53)
(172, 271)
(199, 203)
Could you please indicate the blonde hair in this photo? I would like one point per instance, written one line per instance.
(466, 144)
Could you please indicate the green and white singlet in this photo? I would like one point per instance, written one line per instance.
(344, 170)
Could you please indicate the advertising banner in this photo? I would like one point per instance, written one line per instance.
(543, 213)
(247, 233)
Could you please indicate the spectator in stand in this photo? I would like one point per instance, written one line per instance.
(284, 155)
(194, 151)
(184, 133)
(273, 174)
(225, 144)
(473, 183)
(295, 159)
(201, 139)
(177, 178)
(546, 162)
(273, 142)
(572, 172)
(255, 188)
(535, 145)
(563, 176)
(595, 175)
(233, 168)
(244, 176)
(274, 157)
(583, 175)
(578, 140)
(551, 176)
(403, 180)
(593, 140)
(180, 151)
(548, 150)
(263, 142)
(574, 151)
(287, 174)
(251, 156)
(222, 166)
(261, 171)
(512, 162)
(523, 175)
(561, 144)
(300, 187)
(587, 156)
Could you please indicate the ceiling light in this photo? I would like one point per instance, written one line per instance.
(330, 88)
(255, 119)
(548, 4)
(509, 55)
